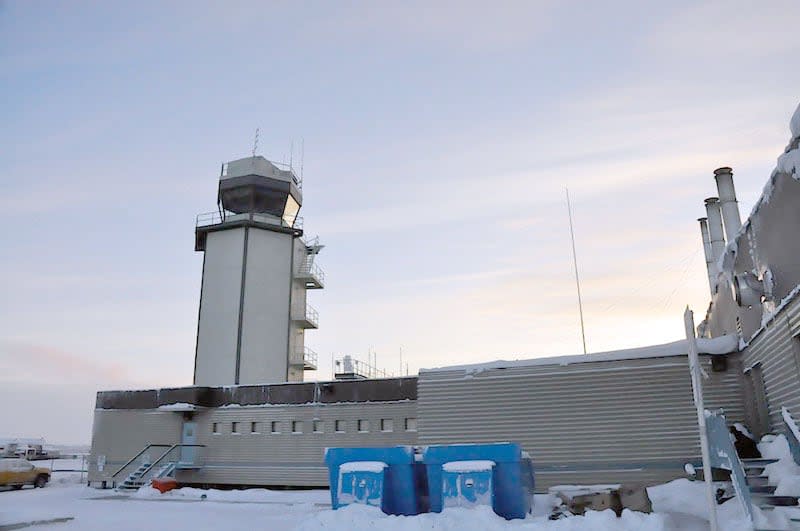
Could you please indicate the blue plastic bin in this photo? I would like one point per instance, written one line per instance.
(495, 474)
(383, 477)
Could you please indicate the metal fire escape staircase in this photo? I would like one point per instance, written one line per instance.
(140, 471)
(313, 277)
(752, 487)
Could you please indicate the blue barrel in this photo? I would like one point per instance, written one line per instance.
(383, 477)
(495, 474)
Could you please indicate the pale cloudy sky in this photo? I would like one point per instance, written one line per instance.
(439, 139)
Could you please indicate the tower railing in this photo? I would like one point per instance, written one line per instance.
(215, 218)
(308, 269)
(306, 357)
(312, 315)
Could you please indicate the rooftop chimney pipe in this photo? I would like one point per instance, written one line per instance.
(711, 265)
(727, 199)
(716, 236)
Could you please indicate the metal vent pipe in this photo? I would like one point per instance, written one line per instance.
(716, 234)
(711, 264)
(728, 203)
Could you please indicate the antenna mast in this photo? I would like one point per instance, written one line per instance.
(575, 264)
(255, 142)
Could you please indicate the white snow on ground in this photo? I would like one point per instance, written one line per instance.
(678, 505)
(785, 473)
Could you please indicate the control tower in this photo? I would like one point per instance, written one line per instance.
(257, 268)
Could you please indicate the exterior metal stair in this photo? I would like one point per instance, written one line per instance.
(140, 477)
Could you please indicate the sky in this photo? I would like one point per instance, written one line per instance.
(439, 140)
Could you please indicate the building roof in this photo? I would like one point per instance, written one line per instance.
(718, 345)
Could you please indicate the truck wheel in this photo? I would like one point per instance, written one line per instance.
(40, 482)
(16, 487)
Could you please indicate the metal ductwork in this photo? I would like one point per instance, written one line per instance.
(711, 264)
(728, 203)
(715, 231)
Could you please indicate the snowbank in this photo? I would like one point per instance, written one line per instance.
(360, 517)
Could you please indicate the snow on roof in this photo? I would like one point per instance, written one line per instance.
(718, 345)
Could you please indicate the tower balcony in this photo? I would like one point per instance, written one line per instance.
(309, 319)
(305, 357)
(311, 274)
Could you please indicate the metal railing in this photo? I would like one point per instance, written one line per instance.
(150, 470)
(792, 434)
(308, 269)
(207, 219)
(723, 455)
(145, 458)
(350, 365)
(312, 315)
(310, 357)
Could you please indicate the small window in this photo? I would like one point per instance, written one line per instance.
(363, 426)
(387, 425)
(340, 426)
(234, 427)
(297, 426)
(317, 426)
(275, 427)
(254, 427)
(215, 428)
(411, 424)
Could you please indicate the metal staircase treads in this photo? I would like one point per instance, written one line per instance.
(776, 501)
(762, 489)
(757, 463)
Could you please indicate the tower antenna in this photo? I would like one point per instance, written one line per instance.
(255, 142)
(302, 158)
(291, 153)
(575, 264)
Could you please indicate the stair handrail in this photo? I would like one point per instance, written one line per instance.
(792, 434)
(132, 459)
(171, 448)
(723, 455)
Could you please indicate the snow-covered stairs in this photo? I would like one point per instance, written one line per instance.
(134, 479)
(762, 492)
(140, 477)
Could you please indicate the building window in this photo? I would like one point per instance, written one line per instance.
(317, 426)
(254, 427)
(340, 426)
(387, 425)
(297, 426)
(234, 428)
(411, 424)
(363, 426)
(215, 428)
(276, 427)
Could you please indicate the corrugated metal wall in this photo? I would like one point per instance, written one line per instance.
(778, 352)
(119, 434)
(595, 422)
(246, 458)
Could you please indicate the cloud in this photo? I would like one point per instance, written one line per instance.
(42, 364)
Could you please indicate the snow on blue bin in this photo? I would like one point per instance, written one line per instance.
(467, 483)
(361, 482)
(512, 479)
(383, 477)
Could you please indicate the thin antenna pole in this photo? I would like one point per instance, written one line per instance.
(302, 158)
(575, 264)
(255, 141)
(291, 153)
(401, 362)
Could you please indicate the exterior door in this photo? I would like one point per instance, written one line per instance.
(189, 436)
(758, 410)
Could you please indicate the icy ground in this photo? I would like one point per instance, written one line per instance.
(66, 504)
